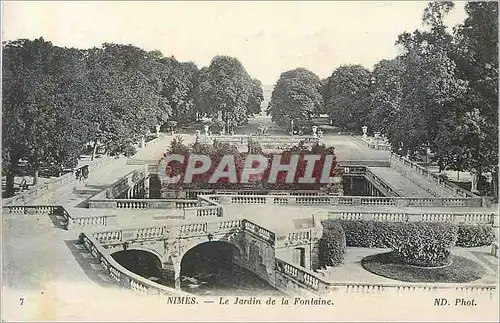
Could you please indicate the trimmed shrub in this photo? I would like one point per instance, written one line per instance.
(475, 235)
(332, 245)
(416, 243)
(424, 244)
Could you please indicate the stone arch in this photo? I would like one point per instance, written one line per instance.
(207, 258)
(193, 244)
(141, 261)
(160, 257)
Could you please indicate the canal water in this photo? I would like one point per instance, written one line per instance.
(227, 281)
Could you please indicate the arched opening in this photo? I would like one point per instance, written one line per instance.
(211, 268)
(140, 262)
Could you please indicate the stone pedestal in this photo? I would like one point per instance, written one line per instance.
(157, 131)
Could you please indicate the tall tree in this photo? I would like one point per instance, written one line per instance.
(256, 97)
(43, 98)
(296, 96)
(126, 96)
(386, 96)
(223, 91)
(178, 89)
(348, 93)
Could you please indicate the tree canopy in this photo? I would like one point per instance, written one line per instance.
(296, 96)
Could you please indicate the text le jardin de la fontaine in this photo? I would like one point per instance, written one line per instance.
(237, 300)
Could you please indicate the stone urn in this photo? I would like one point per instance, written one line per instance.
(314, 131)
(365, 130)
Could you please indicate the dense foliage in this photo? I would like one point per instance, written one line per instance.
(440, 94)
(415, 243)
(332, 245)
(55, 100)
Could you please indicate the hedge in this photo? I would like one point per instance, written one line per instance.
(332, 245)
(475, 235)
(375, 234)
(414, 243)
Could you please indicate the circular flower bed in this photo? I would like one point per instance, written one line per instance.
(459, 270)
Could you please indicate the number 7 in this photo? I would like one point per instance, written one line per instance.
(22, 300)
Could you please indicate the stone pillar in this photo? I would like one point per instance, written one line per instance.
(314, 130)
(206, 128)
(177, 274)
(143, 142)
(157, 131)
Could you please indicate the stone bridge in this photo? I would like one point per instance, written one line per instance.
(257, 249)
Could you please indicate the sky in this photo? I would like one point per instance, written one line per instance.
(267, 37)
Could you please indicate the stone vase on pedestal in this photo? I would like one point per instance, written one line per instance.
(365, 130)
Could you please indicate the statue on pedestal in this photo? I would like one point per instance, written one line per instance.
(157, 130)
(206, 127)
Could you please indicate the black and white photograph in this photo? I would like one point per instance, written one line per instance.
(249, 161)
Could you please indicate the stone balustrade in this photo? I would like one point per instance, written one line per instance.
(407, 166)
(133, 204)
(124, 277)
(452, 217)
(287, 273)
(89, 221)
(52, 184)
(261, 232)
(383, 186)
(30, 209)
(203, 211)
(348, 200)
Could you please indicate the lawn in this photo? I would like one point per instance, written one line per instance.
(461, 270)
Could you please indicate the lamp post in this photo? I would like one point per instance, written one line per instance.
(292, 127)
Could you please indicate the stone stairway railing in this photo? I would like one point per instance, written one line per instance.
(406, 166)
(123, 276)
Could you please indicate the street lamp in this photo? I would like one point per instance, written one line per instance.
(292, 127)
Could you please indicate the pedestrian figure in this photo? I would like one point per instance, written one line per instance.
(78, 174)
(85, 172)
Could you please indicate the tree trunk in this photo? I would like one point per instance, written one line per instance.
(35, 176)
(9, 187)
(475, 180)
(94, 150)
(494, 183)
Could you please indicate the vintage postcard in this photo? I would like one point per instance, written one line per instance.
(249, 161)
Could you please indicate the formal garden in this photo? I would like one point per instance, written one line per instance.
(420, 251)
